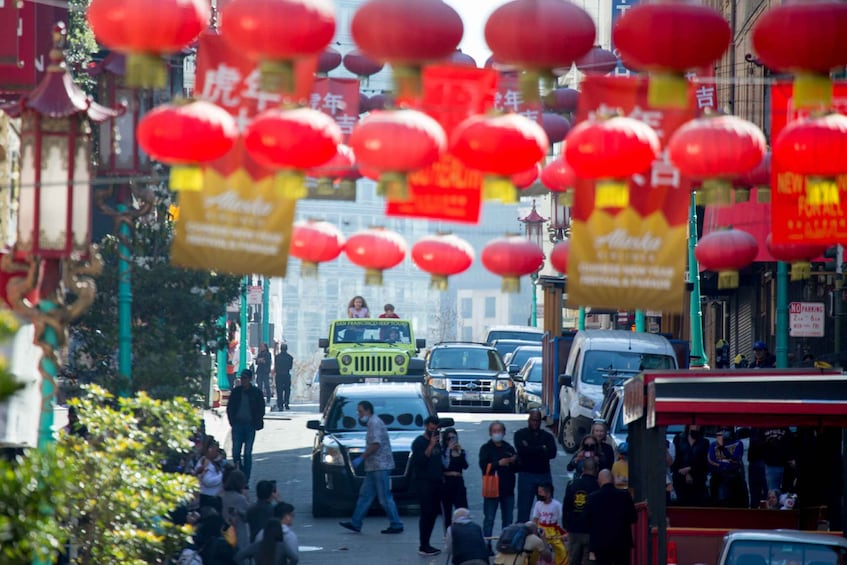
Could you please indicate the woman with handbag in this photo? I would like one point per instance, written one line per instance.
(497, 461)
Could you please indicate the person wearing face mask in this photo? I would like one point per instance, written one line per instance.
(536, 447)
(455, 460)
(497, 457)
(690, 466)
(587, 450)
(429, 478)
(379, 462)
(547, 514)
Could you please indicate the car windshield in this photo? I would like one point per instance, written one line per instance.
(398, 412)
(778, 552)
(514, 334)
(472, 358)
(534, 373)
(599, 366)
(523, 354)
(371, 333)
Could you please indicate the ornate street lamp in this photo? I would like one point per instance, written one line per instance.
(534, 232)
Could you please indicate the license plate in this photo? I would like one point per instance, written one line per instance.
(373, 380)
(471, 396)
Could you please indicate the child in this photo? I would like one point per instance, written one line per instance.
(548, 515)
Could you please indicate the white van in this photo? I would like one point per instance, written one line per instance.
(597, 357)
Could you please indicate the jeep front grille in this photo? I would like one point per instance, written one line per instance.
(374, 365)
(471, 385)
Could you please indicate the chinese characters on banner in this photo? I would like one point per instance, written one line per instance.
(799, 215)
(509, 98)
(705, 89)
(338, 97)
(631, 258)
(448, 190)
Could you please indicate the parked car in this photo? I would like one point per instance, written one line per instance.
(468, 376)
(515, 360)
(505, 347)
(340, 439)
(523, 333)
(528, 385)
(782, 547)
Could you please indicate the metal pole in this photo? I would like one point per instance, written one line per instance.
(242, 339)
(223, 381)
(124, 304)
(266, 315)
(639, 321)
(698, 353)
(533, 320)
(781, 315)
(580, 325)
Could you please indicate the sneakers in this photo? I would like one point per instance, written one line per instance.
(350, 526)
(428, 551)
(392, 530)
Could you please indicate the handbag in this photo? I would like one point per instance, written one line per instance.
(490, 484)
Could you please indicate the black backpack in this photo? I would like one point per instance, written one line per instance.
(512, 540)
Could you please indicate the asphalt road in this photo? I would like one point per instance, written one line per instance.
(282, 452)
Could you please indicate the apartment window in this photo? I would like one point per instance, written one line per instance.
(467, 308)
(491, 307)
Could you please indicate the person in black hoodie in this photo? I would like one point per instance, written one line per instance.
(690, 466)
(536, 447)
(498, 453)
(573, 512)
(455, 459)
(429, 477)
(609, 515)
(246, 414)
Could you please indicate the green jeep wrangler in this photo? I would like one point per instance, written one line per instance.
(365, 350)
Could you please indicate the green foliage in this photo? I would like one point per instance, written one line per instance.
(8, 383)
(80, 44)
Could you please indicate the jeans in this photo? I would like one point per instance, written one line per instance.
(283, 391)
(774, 473)
(377, 485)
(527, 490)
(243, 436)
(506, 502)
(577, 548)
(264, 384)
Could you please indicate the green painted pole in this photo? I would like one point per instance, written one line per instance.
(580, 324)
(266, 306)
(124, 309)
(698, 353)
(533, 319)
(223, 381)
(242, 339)
(49, 370)
(640, 321)
(781, 315)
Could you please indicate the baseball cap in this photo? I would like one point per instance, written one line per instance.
(760, 345)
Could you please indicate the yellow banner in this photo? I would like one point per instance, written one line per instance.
(236, 224)
(627, 262)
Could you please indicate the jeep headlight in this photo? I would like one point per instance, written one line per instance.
(503, 384)
(586, 402)
(331, 455)
(438, 382)
(346, 359)
(400, 360)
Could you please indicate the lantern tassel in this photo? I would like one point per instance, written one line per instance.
(438, 282)
(511, 285)
(812, 90)
(290, 185)
(742, 195)
(717, 192)
(186, 177)
(373, 277)
(611, 193)
(568, 198)
(532, 82)
(727, 279)
(309, 269)
(801, 271)
(407, 82)
(393, 186)
(667, 90)
(146, 70)
(277, 76)
(763, 194)
(500, 189)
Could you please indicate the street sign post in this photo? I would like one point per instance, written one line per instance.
(806, 319)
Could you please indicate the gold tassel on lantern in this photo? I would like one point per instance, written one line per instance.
(290, 185)
(611, 193)
(500, 189)
(812, 90)
(717, 192)
(438, 282)
(373, 277)
(667, 90)
(742, 195)
(393, 187)
(187, 178)
(146, 70)
(727, 279)
(511, 285)
(308, 269)
(801, 271)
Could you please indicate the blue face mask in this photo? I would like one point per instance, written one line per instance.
(497, 437)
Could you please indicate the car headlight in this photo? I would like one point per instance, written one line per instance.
(586, 402)
(331, 455)
(346, 359)
(400, 360)
(438, 382)
(532, 397)
(503, 384)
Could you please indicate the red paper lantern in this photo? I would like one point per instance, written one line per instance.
(610, 151)
(716, 149)
(145, 30)
(328, 60)
(292, 140)
(597, 62)
(361, 65)
(667, 39)
(800, 255)
(396, 143)
(342, 167)
(462, 59)
(376, 249)
(562, 100)
(726, 251)
(377, 102)
(499, 146)
(315, 242)
(555, 126)
(815, 148)
(539, 36)
(277, 33)
(808, 40)
(527, 178)
(512, 257)
(364, 103)
(559, 256)
(442, 255)
(559, 176)
(184, 136)
(407, 34)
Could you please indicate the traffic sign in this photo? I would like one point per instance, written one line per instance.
(806, 319)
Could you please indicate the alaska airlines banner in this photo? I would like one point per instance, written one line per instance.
(635, 257)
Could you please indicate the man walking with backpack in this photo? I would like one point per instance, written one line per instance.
(519, 542)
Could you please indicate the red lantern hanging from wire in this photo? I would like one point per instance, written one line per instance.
(562, 101)
(527, 178)
(800, 255)
(328, 60)
(361, 65)
(315, 242)
(512, 257)
(556, 127)
(726, 251)
(442, 255)
(559, 177)
(597, 62)
(376, 250)
(559, 256)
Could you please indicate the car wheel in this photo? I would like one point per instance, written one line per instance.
(320, 507)
(567, 436)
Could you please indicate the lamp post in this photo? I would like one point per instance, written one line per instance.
(534, 232)
(560, 228)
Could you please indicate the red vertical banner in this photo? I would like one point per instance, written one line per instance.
(339, 98)
(705, 89)
(509, 98)
(448, 190)
(26, 37)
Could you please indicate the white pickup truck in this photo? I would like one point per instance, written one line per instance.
(782, 547)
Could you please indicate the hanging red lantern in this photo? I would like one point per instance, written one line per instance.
(442, 255)
(315, 242)
(185, 136)
(407, 35)
(562, 101)
(800, 255)
(512, 257)
(559, 256)
(667, 39)
(806, 39)
(342, 167)
(375, 249)
(716, 149)
(597, 62)
(361, 65)
(816, 149)
(328, 60)
(611, 150)
(539, 36)
(558, 176)
(462, 59)
(292, 141)
(527, 178)
(499, 146)
(555, 126)
(277, 33)
(396, 143)
(364, 103)
(378, 102)
(726, 251)
(145, 30)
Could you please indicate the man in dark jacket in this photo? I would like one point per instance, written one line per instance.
(283, 363)
(429, 475)
(536, 447)
(573, 511)
(246, 413)
(609, 515)
(263, 370)
(501, 457)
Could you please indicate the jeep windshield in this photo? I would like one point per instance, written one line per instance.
(600, 366)
(398, 413)
(467, 359)
(514, 334)
(387, 332)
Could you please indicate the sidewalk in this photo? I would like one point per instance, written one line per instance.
(217, 424)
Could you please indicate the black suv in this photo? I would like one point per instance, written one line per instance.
(341, 438)
(468, 376)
